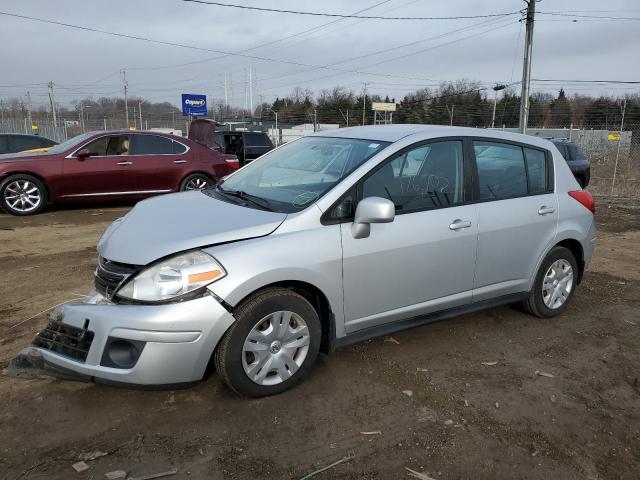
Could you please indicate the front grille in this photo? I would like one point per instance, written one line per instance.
(66, 340)
(110, 275)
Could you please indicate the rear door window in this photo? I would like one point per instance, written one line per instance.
(20, 143)
(178, 147)
(151, 145)
(536, 170)
(501, 170)
(256, 140)
(4, 144)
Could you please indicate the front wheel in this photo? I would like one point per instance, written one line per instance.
(196, 181)
(272, 345)
(554, 284)
(22, 195)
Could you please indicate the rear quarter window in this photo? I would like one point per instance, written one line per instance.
(257, 140)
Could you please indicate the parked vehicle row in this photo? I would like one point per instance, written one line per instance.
(375, 230)
(576, 159)
(247, 146)
(18, 142)
(100, 166)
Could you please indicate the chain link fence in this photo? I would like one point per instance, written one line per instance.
(615, 161)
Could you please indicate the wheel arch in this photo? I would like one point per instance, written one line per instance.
(316, 297)
(574, 246)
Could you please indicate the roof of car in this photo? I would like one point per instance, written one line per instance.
(393, 133)
(23, 135)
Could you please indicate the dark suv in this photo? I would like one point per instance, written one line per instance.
(247, 146)
(576, 159)
(19, 142)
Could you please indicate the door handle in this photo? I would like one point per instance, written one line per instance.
(544, 210)
(458, 224)
(124, 163)
(179, 161)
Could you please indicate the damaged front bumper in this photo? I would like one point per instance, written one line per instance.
(167, 345)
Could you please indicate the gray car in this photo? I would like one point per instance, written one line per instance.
(256, 276)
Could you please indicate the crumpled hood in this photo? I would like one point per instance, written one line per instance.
(173, 223)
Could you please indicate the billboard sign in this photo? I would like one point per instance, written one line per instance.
(194, 105)
(383, 107)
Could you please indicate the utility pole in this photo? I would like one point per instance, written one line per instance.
(140, 112)
(251, 89)
(315, 120)
(126, 104)
(52, 100)
(277, 131)
(364, 101)
(29, 110)
(615, 168)
(451, 113)
(226, 94)
(82, 117)
(496, 89)
(105, 122)
(526, 68)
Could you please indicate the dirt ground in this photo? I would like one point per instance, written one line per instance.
(432, 403)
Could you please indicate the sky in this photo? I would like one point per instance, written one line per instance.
(282, 51)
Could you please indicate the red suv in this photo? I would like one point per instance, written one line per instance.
(98, 166)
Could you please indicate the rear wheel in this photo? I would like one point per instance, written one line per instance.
(554, 284)
(272, 345)
(22, 195)
(196, 181)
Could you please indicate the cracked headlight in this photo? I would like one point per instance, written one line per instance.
(172, 278)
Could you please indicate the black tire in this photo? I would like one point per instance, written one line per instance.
(7, 188)
(535, 304)
(189, 180)
(228, 354)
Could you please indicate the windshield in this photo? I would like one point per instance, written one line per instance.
(297, 174)
(61, 147)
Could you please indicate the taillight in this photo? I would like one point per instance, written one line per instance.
(233, 163)
(585, 198)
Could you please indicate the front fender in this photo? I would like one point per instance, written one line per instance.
(312, 256)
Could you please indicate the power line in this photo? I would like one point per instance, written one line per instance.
(261, 45)
(330, 66)
(365, 17)
(573, 15)
(203, 49)
(631, 82)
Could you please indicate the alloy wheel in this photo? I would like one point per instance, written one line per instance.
(197, 183)
(275, 348)
(22, 196)
(557, 284)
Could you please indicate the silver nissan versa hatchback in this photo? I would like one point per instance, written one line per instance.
(326, 241)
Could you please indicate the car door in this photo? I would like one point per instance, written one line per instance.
(160, 162)
(517, 215)
(106, 172)
(424, 260)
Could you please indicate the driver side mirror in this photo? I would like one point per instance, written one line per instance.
(83, 154)
(371, 210)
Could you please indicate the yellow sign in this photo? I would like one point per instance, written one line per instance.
(34, 126)
(383, 106)
(614, 137)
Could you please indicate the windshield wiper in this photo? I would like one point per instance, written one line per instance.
(247, 197)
